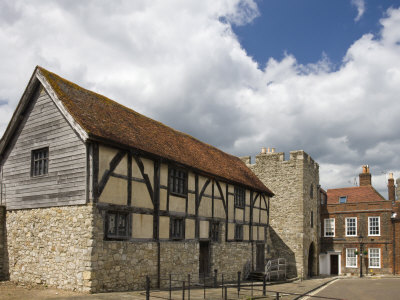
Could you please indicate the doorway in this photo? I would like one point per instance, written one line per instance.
(204, 259)
(334, 264)
(311, 258)
(260, 257)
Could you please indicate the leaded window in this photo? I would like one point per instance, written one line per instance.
(374, 257)
(40, 162)
(177, 228)
(351, 226)
(373, 226)
(214, 231)
(178, 182)
(351, 258)
(117, 225)
(329, 227)
(239, 232)
(240, 197)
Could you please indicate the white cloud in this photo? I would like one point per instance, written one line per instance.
(360, 5)
(179, 62)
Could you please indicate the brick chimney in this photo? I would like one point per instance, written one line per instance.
(365, 176)
(391, 191)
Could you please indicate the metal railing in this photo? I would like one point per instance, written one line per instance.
(276, 268)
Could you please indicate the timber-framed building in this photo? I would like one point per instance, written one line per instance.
(97, 196)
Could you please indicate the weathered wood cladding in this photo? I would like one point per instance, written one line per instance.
(66, 182)
(139, 184)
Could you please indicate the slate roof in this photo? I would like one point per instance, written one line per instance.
(104, 118)
(354, 195)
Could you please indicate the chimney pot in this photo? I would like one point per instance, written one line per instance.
(263, 150)
(365, 176)
(272, 150)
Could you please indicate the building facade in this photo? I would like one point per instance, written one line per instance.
(97, 196)
(356, 230)
(294, 213)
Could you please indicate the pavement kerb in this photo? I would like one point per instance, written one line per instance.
(316, 288)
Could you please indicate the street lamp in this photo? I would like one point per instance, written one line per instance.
(360, 240)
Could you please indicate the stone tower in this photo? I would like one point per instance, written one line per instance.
(294, 210)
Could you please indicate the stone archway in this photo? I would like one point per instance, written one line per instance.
(311, 260)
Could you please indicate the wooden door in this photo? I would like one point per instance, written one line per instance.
(260, 257)
(204, 259)
(334, 264)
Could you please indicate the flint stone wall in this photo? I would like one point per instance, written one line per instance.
(51, 246)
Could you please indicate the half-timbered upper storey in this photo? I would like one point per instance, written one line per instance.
(66, 145)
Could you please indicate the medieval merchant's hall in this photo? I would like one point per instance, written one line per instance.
(96, 196)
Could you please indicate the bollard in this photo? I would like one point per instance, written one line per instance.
(215, 278)
(170, 287)
(277, 296)
(251, 287)
(188, 286)
(183, 290)
(222, 284)
(264, 285)
(147, 288)
(204, 284)
(238, 284)
(226, 293)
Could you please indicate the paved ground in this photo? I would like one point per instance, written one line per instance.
(9, 291)
(365, 289)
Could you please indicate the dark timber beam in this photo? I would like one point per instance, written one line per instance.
(145, 176)
(107, 173)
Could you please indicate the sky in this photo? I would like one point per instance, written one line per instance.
(317, 75)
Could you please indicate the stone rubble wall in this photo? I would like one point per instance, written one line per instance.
(51, 246)
(290, 233)
(3, 249)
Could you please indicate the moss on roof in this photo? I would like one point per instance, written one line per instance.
(104, 118)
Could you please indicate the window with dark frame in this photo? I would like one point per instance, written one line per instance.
(40, 162)
(178, 182)
(239, 232)
(342, 199)
(117, 225)
(177, 228)
(214, 234)
(239, 197)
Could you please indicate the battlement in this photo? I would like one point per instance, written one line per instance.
(269, 156)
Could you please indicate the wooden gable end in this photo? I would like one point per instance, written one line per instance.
(42, 126)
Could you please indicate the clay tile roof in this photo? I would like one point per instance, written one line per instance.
(104, 118)
(354, 195)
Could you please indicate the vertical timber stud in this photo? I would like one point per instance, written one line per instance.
(251, 230)
(212, 198)
(196, 188)
(156, 217)
(227, 213)
(95, 172)
(129, 178)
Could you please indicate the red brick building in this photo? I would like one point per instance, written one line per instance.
(357, 230)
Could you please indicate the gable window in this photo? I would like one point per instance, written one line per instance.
(239, 232)
(351, 226)
(178, 182)
(374, 257)
(351, 258)
(239, 197)
(374, 226)
(177, 228)
(329, 227)
(214, 234)
(40, 162)
(343, 199)
(117, 225)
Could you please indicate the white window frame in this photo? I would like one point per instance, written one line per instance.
(369, 258)
(369, 226)
(347, 257)
(355, 218)
(333, 226)
(342, 197)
